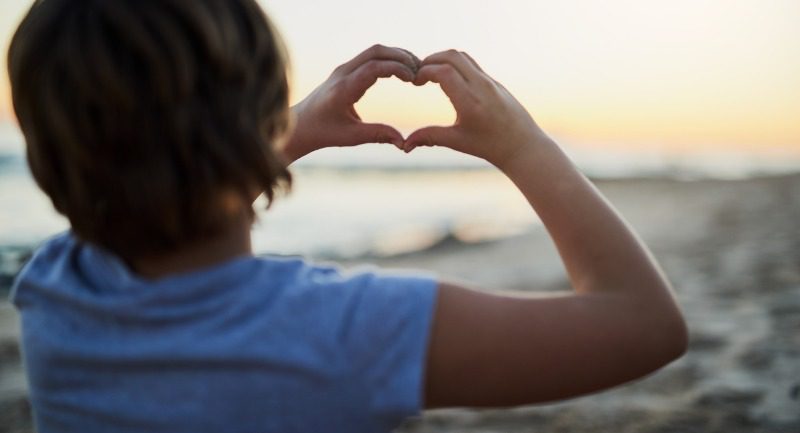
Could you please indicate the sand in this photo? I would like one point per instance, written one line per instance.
(732, 251)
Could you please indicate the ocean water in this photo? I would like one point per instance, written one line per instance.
(344, 203)
(376, 200)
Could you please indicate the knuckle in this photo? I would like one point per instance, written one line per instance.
(338, 88)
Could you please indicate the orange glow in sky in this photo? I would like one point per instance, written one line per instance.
(5, 101)
(677, 74)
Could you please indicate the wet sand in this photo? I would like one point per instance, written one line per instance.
(732, 251)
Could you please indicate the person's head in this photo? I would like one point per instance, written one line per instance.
(141, 115)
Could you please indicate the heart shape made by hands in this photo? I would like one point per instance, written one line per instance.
(405, 106)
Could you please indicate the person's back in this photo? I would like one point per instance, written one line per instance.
(153, 125)
(251, 344)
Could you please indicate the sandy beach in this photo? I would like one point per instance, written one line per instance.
(731, 249)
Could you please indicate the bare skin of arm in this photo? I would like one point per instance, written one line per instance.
(494, 349)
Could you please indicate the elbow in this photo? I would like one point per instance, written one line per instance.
(680, 337)
(668, 331)
(672, 338)
(664, 335)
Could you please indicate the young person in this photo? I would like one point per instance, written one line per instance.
(153, 125)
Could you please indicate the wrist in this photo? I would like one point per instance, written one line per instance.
(541, 170)
(289, 149)
(532, 149)
(293, 145)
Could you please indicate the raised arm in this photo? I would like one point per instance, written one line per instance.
(327, 118)
(620, 323)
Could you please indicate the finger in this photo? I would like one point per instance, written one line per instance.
(415, 59)
(465, 67)
(451, 81)
(446, 136)
(380, 52)
(360, 80)
(376, 133)
(471, 60)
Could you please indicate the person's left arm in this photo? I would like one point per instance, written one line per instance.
(327, 117)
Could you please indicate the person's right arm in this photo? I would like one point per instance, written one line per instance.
(494, 349)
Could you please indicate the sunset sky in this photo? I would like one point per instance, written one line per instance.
(720, 74)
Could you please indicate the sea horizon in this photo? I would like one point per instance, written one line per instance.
(374, 199)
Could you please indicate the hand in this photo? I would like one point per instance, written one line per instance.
(490, 123)
(327, 117)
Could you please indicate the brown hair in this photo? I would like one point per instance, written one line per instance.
(139, 113)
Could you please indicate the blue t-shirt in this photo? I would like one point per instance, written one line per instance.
(249, 345)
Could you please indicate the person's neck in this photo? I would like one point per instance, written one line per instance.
(233, 243)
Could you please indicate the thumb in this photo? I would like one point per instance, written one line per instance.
(377, 133)
(445, 136)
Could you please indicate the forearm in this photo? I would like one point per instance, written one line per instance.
(601, 253)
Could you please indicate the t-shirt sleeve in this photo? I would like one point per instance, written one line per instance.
(389, 335)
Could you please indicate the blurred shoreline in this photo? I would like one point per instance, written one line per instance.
(378, 201)
(436, 238)
(732, 251)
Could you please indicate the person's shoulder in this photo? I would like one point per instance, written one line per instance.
(379, 292)
(54, 248)
(330, 283)
(292, 269)
(50, 253)
(330, 274)
(47, 260)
